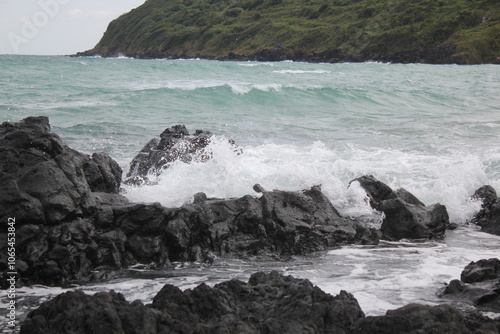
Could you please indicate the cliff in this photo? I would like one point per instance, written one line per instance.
(441, 31)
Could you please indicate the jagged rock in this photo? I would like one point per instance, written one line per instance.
(481, 270)
(405, 216)
(480, 324)
(279, 222)
(415, 319)
(175, 144)
(71, 221)
(103, 174)
(102, 313)
(268, 303)
(489, 215)
(50, 190)
(276, 224)
(487, 195)
(43, 180)
(484, 289)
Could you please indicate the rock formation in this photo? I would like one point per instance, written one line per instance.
(479, 285)
(405, 216)
(175, 143)
(489, 215)
(415, 319)
(70, 220)
(268, 303)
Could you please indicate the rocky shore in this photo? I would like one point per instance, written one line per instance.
(268, 303)
(442, 54)
(73, 225)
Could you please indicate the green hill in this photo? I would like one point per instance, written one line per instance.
(434, 31)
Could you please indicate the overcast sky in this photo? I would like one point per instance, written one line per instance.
(56, 27)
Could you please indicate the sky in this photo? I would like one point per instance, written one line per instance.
(56, 27)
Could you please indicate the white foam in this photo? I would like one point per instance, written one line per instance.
(449, 179)
(302, 72)
(395, 274)
(242, 88)
(255, 64)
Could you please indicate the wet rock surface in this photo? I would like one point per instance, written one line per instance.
(481, 270)
(415, 319)
(268, 303)
(479, 286)
(406, 217)
(175, 144)
(71, 221)
(489, 215)
(54, 195)
(73, 225)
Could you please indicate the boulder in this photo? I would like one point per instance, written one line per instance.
(175, 144)
(415, 319)
(43, 180)
(406, 217)
(479, 286)
(481, 270)
(268, 303)
(102, 313)
(278, 223)
(53, 193)
(489, 215)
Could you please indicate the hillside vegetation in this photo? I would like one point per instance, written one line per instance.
(466, 31)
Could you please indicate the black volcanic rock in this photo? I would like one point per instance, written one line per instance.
(483, 290)
(268, 303)
(415, 319)
(489, 215)
(102, 313)
(52, 193)
(278, 223)
(70, 221)
(405, 216)
(481, 270)
(175, 143)
(43, 180)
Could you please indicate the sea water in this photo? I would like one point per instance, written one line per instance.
(432, 129)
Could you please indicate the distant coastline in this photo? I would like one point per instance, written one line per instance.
(443, 54)
(442, 32)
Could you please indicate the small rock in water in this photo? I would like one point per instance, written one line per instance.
(489, 215)
(175, 143)
(406, 217)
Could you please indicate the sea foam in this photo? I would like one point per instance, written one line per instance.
(449, 180)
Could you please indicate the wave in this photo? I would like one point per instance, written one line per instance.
(255, 64)
(239, 88)
(449, 179)
(302, 72)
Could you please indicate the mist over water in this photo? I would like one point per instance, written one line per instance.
(432, 129)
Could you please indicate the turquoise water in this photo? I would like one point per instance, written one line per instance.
(432, 129)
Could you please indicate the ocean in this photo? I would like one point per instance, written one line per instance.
(432, 129)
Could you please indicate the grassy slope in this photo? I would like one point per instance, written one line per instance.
(218, 27)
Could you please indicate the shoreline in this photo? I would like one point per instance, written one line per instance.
(72, 225)
(441, 55)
